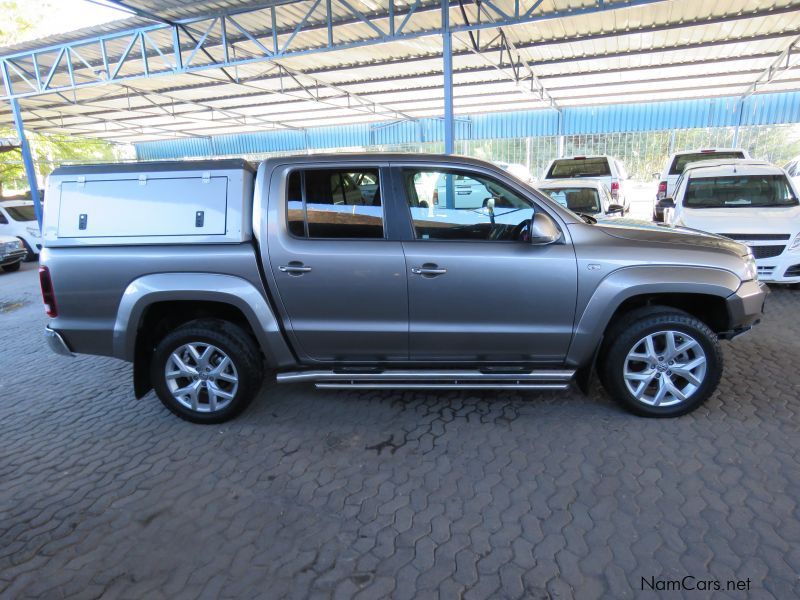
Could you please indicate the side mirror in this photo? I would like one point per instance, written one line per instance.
(666, 203)
(544, 229)
(614, 209)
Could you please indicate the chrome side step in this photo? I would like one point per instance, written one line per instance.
(433, 379)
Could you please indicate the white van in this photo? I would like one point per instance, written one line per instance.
(752, 202)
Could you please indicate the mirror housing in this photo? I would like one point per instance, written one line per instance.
(614, 209)
(656, 175)
(666, 203)
(544, 229)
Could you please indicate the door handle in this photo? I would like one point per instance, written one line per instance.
(294, 269)
(428, 270)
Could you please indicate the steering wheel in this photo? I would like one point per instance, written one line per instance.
(522, 232)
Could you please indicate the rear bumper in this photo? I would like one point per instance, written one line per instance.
(56, 342)
(745, 307)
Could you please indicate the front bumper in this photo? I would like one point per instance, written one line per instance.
(56, 342)
(781, 269)
(745, 307)
(12, 257)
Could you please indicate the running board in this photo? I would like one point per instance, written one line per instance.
(434, 379)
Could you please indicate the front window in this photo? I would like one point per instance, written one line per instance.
(567, 168)
(21, 213)
(577, 199)
(335, 203)
(735, 191)
(682, 160)
(459, 206)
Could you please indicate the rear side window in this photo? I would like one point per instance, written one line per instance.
(335, 203)
(579, 167)
(684, 159)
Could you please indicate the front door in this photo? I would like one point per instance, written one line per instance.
(478, 290)
(341, 283)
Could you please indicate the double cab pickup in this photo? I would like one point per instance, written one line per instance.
(379, 271)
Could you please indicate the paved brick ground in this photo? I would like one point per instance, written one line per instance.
(320, 494)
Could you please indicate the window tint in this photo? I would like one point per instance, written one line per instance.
(738, 191)
(295, 213)
(579, 167)
(464, 207)
(3, 220)
(684, 159)
(334, 203)
(21, 213)
(577, 199)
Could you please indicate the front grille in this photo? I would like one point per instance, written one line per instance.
(793, 271)
(766, 251)
(765, 270)
(757, 236)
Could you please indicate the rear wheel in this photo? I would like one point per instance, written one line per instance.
(661, 363)
(206, 371)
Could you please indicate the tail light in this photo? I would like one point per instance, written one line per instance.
(48, 295)
(662, 190)
(614, 189)
(435, 196)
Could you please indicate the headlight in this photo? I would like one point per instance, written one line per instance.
(795, 243)
(34, 231)
(751, 269)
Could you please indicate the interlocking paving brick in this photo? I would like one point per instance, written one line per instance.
(313, 494)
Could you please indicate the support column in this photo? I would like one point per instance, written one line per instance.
(447, 57)
(27, 160)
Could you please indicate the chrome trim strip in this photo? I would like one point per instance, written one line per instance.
(421, 375)
(443, 386)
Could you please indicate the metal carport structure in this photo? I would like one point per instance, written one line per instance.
(290, 70)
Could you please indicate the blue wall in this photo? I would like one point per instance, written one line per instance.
(760, 109)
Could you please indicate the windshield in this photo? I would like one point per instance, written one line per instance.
(739, 191)
(577, 199)
(21, 213)
(684, 159)
(579, 167)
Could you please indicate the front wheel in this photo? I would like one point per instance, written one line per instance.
(661, 363)
(12, 267)
(206, 371)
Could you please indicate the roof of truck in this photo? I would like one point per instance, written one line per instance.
(155, 166)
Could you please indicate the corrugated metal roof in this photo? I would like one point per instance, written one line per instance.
(762, 109)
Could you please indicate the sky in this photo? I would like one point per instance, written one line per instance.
(59, 16)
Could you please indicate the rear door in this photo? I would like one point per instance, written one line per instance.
(340, 281)
(478, 292)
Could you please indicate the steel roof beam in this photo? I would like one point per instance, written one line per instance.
(102, 73)
(780, 65)
(259, 91)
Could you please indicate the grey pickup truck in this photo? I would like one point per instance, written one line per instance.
(391, 271)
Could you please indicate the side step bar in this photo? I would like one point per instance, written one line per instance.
(433, 379)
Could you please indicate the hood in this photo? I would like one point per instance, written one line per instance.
(785, 219)
(647, 231)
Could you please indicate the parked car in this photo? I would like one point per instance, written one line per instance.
(750, 201)
(607, 169)
(12, 253)
(585, 196)
(678, 161)
(204, 277)
(18, 218)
